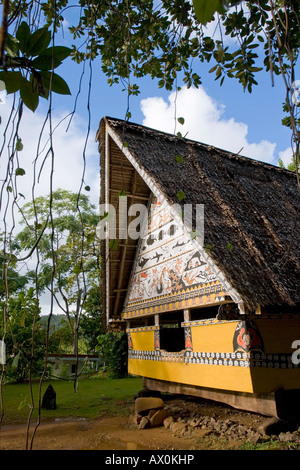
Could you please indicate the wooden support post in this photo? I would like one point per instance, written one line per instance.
(186, 315)
(123, 256)
(107, 181)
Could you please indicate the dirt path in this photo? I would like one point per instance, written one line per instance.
(121, 433)
(114, 433)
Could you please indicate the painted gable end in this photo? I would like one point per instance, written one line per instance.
(169, 272)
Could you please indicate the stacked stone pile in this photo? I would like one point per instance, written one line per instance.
(149, 412)
(201, 426)
(152, 412)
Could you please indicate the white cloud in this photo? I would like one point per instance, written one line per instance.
(204, 122)
(68, 148)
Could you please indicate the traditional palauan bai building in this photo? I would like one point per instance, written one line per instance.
(212, 309)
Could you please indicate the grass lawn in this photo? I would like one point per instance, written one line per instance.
(95, 397)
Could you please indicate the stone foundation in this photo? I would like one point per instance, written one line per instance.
(282, 404)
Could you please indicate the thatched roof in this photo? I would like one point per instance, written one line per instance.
(252, 222)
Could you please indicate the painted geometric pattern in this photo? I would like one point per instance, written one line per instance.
(168, 269)
(239, 359)
(193, 297)
(139, 329)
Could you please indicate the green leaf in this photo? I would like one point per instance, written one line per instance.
(20, 172)
(19, 145)
(59, 52)
(206, 9)
(29, 96)
(12, 46)
(45, 62)
(104, 216)
(77, 269)
(12, 80)
(23, 403)
(37, 42)
(255, 69)
(122, 193)
(180, 120)
(23, 320)
(180, 195)
(179, 159)
(193, 234)
(51, 58)
(218, 73)
(229, 246)
(58, 84)
(15, 361)
(213, 68)
(113, 244)
(23, 34)
(209, 44)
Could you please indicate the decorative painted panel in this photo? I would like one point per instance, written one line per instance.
(188, 339)
(169, 273)
(240, 359)
(130, 347)
(247, 337)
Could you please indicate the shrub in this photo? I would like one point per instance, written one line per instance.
(113, 349)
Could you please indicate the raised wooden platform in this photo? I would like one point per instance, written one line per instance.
(282, 404)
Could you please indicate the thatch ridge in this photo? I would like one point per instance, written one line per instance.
(116, 123)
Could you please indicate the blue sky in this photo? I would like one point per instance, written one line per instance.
(261, 110)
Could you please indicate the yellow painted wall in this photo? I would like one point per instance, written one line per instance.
(241, 379)
(143, 340)
(214, 337)
(277, 335)
(203, 375)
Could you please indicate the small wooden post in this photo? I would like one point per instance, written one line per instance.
(186, 315)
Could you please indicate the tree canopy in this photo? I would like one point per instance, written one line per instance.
(67, 266)
(164, 40)
(25, 342)
(68, 249)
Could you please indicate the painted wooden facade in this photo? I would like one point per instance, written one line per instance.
(169, 273)
(189, 329)
(172, 287)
